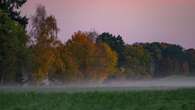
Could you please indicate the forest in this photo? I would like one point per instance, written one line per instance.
(37, 54)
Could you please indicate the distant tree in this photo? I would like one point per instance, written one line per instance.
(155, 51)
(138, 61)
(116, 43)
(106, 61)
(93, 35)
(175, 60)
(64, 68)
(12, 9)
(94, 61)
(83, 50)
(191, 59)
(167, 59)
(44, 33)
(13, 50)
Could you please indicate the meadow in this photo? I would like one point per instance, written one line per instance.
(177, 99)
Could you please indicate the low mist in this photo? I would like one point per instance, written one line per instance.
(166, 83)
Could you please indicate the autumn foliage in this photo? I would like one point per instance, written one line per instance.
(86, 56)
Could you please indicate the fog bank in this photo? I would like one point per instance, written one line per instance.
(172, 82)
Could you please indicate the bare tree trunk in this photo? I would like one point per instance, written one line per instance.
(2, 79)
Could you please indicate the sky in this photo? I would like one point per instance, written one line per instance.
(171, 21)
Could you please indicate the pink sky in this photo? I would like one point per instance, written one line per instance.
(170, 21)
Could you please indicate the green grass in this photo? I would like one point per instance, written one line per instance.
(182, 99)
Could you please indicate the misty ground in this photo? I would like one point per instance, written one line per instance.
(167, 83)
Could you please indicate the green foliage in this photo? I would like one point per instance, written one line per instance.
(86, 56)
(137, 61)
(167, 59)
(116, 43)
(12, 9)
(175, 60)
(191, 59)
(13, 50)
(107, 100)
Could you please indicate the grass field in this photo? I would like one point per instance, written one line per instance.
(180, 99)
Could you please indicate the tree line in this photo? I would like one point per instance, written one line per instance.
(87, 56)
